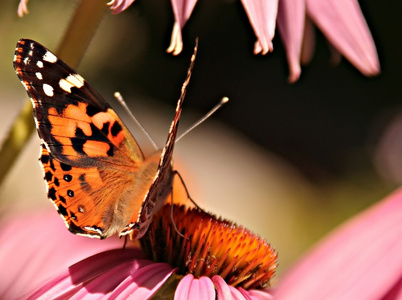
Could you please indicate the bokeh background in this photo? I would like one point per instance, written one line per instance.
(288, 161)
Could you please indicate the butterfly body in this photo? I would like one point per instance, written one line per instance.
(96, 174)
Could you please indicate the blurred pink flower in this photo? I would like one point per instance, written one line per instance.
(36, 246)
(360, 260)
(262, 16)
(182, 10)
(117, 6)
(22, 8)
(342, 23)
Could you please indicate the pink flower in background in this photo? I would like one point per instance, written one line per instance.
(118, 6)
(362, 259)
(262, 16)
(22, 8)
(182, 10)
(342, 23)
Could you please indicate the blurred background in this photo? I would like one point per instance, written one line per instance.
(288, 161)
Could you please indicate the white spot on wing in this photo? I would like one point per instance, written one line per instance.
(50, 57)
(39, 75)
(48, 90)
(39, 64)
(30, 53)
(72, 80)
(26, 60)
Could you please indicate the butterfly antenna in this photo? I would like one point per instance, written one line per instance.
(119, 98)
(212, 111)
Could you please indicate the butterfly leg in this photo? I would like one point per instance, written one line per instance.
(175, 172)
(125, 241)
(171, 215)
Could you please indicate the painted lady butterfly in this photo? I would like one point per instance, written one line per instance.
(96, 173)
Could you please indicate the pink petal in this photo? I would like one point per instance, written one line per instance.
(360, 260)
(343, 24)
(262, 17)
(222, 288)
(144, 283)
(118, 6)
(238, 295)
(36, 246)
(22, 8)
(224, 291)
(193, 288)
(182, 10)
(176, 41)
(291, 20)
(257, 294)
(77, 277)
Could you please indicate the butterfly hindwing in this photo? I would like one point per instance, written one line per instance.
(79, 196)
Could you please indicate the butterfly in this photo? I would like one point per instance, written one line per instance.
(97, 176)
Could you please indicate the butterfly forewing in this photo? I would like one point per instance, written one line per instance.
(90, 159)
(77, 125)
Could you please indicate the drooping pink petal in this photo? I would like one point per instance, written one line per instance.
(116, 273)
(262, 17)
(195, 288)
(237, 295)
(144, 283)
(344, 26)
(256, 294)
(360, 260)
(118, 6)
(176, 41)
(23, 8)
(182, 10)
(291, 21)
(36, 246)
(73, 279)
(222, 288)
